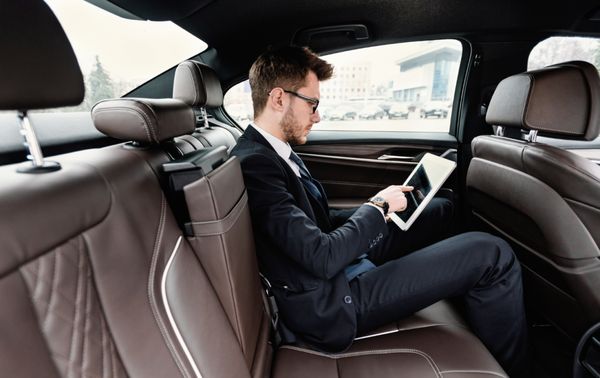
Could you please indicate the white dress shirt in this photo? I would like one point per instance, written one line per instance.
(282, 148)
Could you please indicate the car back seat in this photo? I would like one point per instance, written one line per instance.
(223, 243)
(98, 279)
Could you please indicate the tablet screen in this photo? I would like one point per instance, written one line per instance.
(426, 179)
(422, 186)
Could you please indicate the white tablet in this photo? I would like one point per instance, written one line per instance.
(427, 178)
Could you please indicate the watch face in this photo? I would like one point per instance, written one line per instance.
(380, 202)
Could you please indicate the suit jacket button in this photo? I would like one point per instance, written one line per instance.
(348, 299)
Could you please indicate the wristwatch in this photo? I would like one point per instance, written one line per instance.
(380, 202)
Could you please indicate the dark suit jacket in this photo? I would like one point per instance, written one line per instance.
(299, 250)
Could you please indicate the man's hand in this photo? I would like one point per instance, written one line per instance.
(394, 195)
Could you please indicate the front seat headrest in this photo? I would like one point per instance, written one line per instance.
(561, 100)
(148, 121)
(197, 85)
(38, 68)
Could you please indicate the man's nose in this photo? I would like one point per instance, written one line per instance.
(316, 117)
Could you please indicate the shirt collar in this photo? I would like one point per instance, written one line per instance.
(282, 148)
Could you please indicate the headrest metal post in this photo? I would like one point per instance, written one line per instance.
(30, 141)
(205, 117)
(499, 131)
(532, 136)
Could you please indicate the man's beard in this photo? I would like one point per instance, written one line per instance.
(292, 130)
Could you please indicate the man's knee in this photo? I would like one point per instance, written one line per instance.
(496, 252)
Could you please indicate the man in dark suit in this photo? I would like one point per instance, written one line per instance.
(336, 274)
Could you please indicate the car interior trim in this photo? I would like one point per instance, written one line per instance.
(347, 158)
(163, 290)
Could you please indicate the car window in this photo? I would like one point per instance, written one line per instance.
(562, 49)
(400, 87)
(116, 54)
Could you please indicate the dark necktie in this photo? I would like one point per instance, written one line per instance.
(362, 264)
(310, 184)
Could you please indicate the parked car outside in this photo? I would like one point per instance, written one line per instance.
(343, 113)
(399, 111)
(438, 109)
(371, 112)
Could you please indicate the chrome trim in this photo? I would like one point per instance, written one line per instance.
(30, 140)
(345, 158)
(163, 291)
(377, 334)
(395, 157)
(532, 136)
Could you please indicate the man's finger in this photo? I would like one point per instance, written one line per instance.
(406, 188)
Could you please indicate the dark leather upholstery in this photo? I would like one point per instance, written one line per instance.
(560, 100)
(545, 199)
(197, 85)
(143, 120)
(38, 68)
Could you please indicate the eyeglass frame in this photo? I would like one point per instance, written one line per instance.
(311, 100)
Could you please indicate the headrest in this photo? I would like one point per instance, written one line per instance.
(561, 100)
(143, 120)
(38, 68)
(197, 85)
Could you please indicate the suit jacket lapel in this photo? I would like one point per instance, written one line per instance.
(317, 207)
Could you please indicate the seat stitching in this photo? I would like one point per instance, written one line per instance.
(103, 347)
(474, 372)
(226, 223)
(37, 285)
(113, 363)
(369, 352)
(152, 299)
(550, 156)
(153, 127)
(51, 289)
(136, 112)
(229, 275)
(73, 322)
(194, 81)
(70, 365)
(86, 300)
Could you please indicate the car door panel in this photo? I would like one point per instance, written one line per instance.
(352, 169)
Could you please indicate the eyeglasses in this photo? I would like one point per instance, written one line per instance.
(311, 100)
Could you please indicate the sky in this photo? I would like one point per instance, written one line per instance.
(130, 50)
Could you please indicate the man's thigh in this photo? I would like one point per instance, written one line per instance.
(433, 225)
(401, 287)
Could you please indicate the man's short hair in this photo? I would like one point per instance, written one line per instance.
(284, 67)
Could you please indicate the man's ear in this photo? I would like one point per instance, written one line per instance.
(276, 100)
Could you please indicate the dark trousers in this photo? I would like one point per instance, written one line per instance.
(477, 268)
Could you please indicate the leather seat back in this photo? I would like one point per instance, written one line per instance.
(542, 198)
(221, 231)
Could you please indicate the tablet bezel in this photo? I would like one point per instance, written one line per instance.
(447, 167)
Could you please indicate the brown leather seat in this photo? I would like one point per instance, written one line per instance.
(542, 198)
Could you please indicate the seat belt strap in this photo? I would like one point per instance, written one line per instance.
(272, 310)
